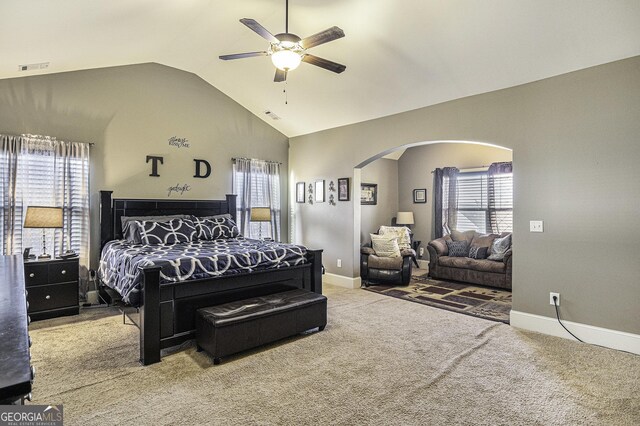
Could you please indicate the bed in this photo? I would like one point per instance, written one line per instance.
(167, 301)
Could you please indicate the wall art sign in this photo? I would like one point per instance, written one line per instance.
(178, 189)
(154, 164)
(179, 142)
(202, 167)
(207, 167)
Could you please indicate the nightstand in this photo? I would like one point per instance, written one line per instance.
(52, 287)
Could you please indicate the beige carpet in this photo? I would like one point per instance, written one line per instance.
(380, 361)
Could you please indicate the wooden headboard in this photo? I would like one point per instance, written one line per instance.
(111, 210)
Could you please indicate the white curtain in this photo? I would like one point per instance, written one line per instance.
(43, 171)
(257, 184)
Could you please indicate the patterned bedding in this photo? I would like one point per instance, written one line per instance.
(121, 261)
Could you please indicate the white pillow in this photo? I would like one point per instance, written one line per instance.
(385, 245)
(402, 233)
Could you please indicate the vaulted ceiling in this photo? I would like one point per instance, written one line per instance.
(400, 54)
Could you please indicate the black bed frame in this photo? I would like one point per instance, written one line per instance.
(167, 311)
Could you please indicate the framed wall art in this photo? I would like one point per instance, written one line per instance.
(343, 189)
(369, 194)
(300, 192)
(420, 196)
(319, 190)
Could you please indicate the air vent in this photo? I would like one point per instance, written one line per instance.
(34, 67)
(272, 115)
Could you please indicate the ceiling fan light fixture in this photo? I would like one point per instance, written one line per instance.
(286, 60)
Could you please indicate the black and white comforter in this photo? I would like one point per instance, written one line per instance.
(121, 261)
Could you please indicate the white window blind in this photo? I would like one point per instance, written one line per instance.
(485, 204)
(44, 178)
(257, 186)
(472, 202)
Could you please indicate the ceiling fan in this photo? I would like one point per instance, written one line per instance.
(288, 50)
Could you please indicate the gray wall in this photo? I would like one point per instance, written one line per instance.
(414, 171)
(384, 172)
(132, 111)
(575, 153)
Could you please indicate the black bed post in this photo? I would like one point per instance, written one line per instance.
(106, 218)
(315, 258)
(150, 316)
(231, 202)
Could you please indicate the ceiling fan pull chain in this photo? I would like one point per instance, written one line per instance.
(286, 95)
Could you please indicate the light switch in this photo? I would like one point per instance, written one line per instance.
(536, 226)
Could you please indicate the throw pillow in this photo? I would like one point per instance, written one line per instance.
(484, 240)
(170, 232)
(402, 233)
(129, 224)
(500, 247)
(458, 248)
(476, 252)
(385, 246)
(216, 228)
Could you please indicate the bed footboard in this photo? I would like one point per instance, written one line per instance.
(166, 311)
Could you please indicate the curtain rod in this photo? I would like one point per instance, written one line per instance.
(469, 168)
(52, 138)
(244, 158)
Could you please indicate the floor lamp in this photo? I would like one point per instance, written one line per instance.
(43, 217)
(260, 214)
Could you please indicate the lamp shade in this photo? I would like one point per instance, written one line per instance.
(404, 218)
(260, 214)
(43, 217)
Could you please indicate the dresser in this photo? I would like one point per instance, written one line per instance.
(52, 288)
(16, 372)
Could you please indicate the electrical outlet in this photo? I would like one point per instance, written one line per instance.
(421, 251)
(339, 263)
(536, 226)
(557, 295)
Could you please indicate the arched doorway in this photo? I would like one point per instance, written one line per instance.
(414, 166)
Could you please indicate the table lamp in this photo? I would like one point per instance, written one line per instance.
(43, 217)
(260, 214)
(404, 218)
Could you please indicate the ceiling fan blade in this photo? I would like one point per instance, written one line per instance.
(259, 29)
(242, 55)
(280, 76)
(322, 37)
(324, 63)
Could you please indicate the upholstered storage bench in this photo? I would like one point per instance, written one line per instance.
(233, 327)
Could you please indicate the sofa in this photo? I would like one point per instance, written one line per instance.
(492, 273)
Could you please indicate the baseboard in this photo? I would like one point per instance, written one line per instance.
(341, 280)
(588, 333)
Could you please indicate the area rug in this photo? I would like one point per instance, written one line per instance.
(484, 302)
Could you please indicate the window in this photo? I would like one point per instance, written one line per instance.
(485, 204)
(473, 206)
(257, 184)
(44, 172)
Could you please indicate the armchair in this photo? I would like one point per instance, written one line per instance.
(392, 270)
